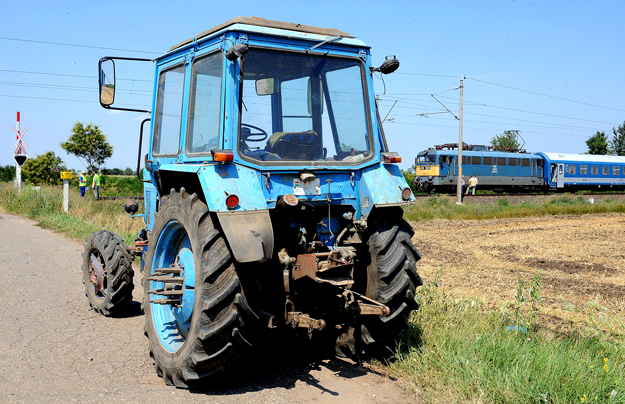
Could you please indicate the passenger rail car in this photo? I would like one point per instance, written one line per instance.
(437, 170)
(572, 172)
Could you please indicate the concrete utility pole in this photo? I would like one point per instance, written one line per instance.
(459, 185)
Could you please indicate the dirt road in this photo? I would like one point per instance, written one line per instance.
(53, 348)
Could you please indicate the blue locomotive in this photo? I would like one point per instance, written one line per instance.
(437, 170)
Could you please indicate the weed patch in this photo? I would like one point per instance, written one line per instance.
(455, 351)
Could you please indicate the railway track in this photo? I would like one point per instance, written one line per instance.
(520, 194)
(112, 198)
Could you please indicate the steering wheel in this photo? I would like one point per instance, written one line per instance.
(248, 136)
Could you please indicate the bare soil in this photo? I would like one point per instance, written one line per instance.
(581, 259)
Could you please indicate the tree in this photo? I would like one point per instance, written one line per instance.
(598, 144)
(617, 144)
(43, 169)
(90, 144)
(507, 141)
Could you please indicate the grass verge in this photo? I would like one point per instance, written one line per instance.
(85, 216)
(457, 352)
(444, 207)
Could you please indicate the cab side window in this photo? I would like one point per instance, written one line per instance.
(168, 116)
(204, 109)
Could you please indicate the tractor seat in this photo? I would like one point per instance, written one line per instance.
(295, 145)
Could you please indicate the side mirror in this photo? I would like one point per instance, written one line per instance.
(265, 87)
(107, 81)
(236, 51)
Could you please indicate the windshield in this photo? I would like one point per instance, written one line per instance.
(426, 160)
(297, 107)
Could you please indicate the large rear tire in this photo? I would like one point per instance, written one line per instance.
(107, 273)
(207, 329)
(391, 279)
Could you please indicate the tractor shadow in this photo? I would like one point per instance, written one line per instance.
(284, 361)
(133, 310)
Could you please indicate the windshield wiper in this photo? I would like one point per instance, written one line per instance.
(323, 43)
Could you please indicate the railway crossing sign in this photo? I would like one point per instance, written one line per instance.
(20, 159)
(20, 143)
(20, 156)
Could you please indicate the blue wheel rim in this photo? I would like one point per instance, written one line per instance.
(172, 320)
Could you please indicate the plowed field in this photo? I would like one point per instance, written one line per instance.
(581, 259)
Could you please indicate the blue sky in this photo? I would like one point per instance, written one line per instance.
(551, 69)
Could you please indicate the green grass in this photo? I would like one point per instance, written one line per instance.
(85, 216)
(456, 352)
(444, 207)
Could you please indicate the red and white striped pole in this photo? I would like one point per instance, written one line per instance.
(18, 168)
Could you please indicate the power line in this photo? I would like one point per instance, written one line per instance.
(547, 95)
(64, 99)
(76, 45)
(73, 88)
(402, 100)
(428, 75)
(69, 75)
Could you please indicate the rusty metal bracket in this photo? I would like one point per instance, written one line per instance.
(334, 270)
(355, 303)
(298, 319)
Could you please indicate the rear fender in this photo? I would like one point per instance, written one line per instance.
(247, 227)
(382, 185)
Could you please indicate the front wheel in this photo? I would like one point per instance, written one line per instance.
(107, 273)
(198, 320)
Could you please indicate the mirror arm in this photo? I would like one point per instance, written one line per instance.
(139, 157)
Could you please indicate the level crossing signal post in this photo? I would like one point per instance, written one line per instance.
(20, 155)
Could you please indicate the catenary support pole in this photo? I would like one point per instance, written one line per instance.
(459, 178)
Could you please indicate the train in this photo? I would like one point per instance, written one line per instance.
(436, 170)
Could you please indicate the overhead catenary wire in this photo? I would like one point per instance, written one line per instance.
(77, 45)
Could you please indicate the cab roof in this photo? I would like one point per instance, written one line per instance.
(261, 22)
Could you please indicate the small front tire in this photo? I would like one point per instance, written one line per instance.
(107, 273)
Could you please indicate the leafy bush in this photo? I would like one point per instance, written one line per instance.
(7, 173)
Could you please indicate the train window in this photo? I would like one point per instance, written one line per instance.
(615, 170)
(511, 162)
(525, 162)
(594, 170)
(605, 170)
(425, 160)
(476, 160)
(488, 161)
(501, 161)
(442, 159)
(464, 159)
(583, 170)
(572, 168)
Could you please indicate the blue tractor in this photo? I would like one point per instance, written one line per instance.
(271, 201)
